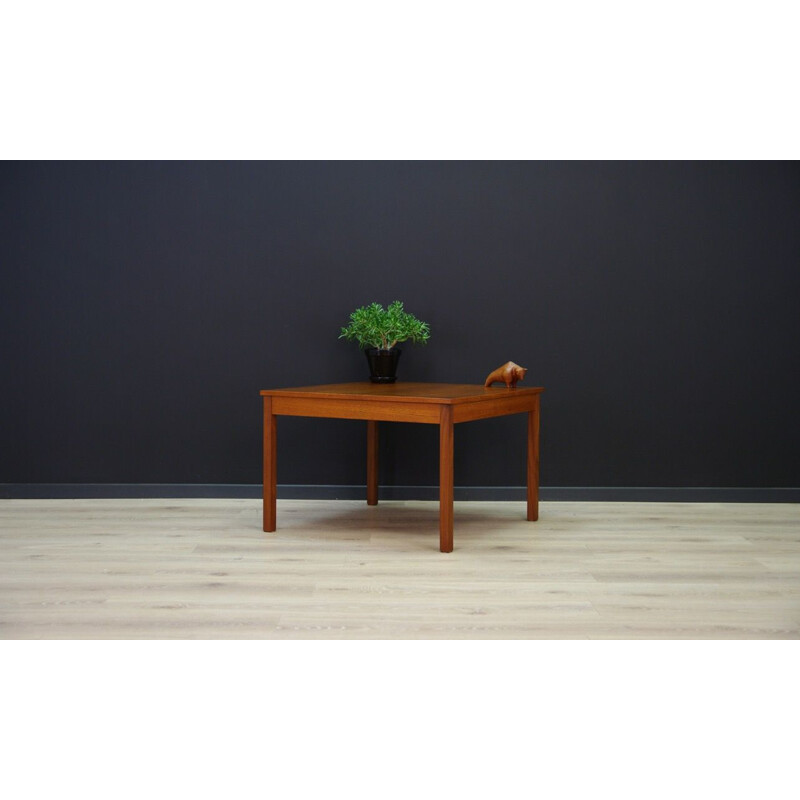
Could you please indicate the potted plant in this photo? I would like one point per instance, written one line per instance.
(378, 331)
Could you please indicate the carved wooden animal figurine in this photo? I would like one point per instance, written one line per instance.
(509, 374)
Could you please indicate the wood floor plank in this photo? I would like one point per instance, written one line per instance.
(203, 568)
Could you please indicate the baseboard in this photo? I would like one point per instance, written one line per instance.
(651, 494)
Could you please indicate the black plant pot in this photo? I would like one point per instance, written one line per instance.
(383, 364)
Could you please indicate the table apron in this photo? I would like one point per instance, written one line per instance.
(483, 409)
(349, 409)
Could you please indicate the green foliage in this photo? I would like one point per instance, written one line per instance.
(372, 326)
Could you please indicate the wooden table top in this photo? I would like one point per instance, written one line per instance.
(439, 393)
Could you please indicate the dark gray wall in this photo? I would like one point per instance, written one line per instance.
(145, 305)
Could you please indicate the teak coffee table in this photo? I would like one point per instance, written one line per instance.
(442, 404)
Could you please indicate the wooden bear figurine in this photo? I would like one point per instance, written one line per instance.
(509, 374)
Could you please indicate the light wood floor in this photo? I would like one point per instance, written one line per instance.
(203, 569)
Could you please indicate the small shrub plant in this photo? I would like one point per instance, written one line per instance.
(374, 326)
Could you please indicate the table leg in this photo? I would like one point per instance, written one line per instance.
(533, 462)
(372, 462)
(446, 479)
(270, 467)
